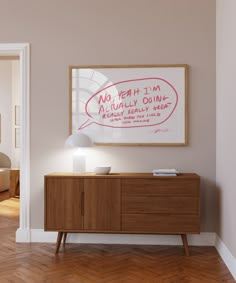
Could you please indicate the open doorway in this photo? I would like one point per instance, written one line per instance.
(9, 127)
(22, 50)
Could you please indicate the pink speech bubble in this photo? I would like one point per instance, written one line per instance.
(133, 103)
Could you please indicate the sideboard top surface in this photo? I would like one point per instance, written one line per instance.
(122, 175)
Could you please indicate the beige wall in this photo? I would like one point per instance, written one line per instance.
(91, 32)
(15, 159)
(6, 106)
(226, 135)
(9, 97)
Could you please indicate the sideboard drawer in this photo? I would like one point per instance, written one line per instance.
(157, 223)
(173, 205)
(160, 187)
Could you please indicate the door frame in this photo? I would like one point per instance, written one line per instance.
(23, 51)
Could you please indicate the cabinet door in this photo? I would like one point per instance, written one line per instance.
(63, 204)
(102, 204)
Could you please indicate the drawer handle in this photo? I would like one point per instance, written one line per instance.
(82, 203)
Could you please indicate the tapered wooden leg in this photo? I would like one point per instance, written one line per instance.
(185, 244)
(59, 237)
(64, 238)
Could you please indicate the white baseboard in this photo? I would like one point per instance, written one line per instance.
(39, 235)
(226, 255)
(22, 235)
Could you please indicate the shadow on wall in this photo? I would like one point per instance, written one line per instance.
(209, 205)
(219, 205)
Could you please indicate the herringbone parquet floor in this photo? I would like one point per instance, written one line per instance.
(37, 262)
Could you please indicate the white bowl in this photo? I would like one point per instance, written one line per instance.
(103, 170)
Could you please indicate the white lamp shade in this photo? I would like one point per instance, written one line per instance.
(79, 158)
(78, 140)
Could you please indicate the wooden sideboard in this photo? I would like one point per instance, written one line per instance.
(122, 203)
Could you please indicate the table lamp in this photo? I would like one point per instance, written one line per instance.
(79, 141)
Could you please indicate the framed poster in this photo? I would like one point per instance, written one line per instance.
(17, 137)
(17, 115)
(129, 105)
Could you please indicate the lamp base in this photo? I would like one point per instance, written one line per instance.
(79, 163)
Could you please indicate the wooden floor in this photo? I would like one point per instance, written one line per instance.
(86, 263)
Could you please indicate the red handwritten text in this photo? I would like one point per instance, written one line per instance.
(140, 102)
